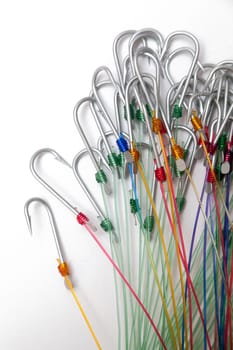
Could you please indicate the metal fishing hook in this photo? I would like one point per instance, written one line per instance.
(100, 171)
(45, 184)
(105, 223)
(188, 35)
(51, 220)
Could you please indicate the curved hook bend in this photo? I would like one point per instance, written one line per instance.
(51, 220)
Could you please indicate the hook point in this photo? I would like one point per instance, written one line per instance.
(29, 223)
(63, 161)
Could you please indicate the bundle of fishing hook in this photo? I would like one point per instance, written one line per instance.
(160, 153)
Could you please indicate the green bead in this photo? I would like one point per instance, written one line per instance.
(132, 111)
(177, 111)
(101, 177)
(133, 205)
(180, 201)
(140, 115)
(113, 160)
(186, 153)
(222, 142)
(149, 110)
(171, 161)
(149, 223)
(218, 173)
(120, 159)
(106, 225)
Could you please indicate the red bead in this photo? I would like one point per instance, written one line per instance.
(210, 177)
(211, 148)
(82, 219)
(160, 174)
(227, 157)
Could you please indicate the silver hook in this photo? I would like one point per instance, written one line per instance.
(225, 62)
(80, 130)
(191, 101)
(105, 222)
(201, 69)
(117, 91)
(93, 107)
(145, 34)
(117, 103)
(211, 99)
(81, 182)
(129, 85)
(214, 125)
(85, 140)
(170, 101)
(152, 54)
(226, 96)
(223, 124)
(122, 144)
(35, 173)
(194, 61)
(155, 58)
(171, 56)
(51, 220)
(97, 97)
(215, 70)
(127, 70)
(118, 39)
(61, 199)
(209, 109)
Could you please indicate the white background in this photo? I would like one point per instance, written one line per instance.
(48, 52)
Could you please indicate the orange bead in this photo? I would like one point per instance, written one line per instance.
(63, 269)
(157, 125)
(135, 154)
(197, 124)
(177, 151)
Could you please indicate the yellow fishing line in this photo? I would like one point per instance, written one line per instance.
(135, 155)
(71, 288)
(163, 246)
(174, 229)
